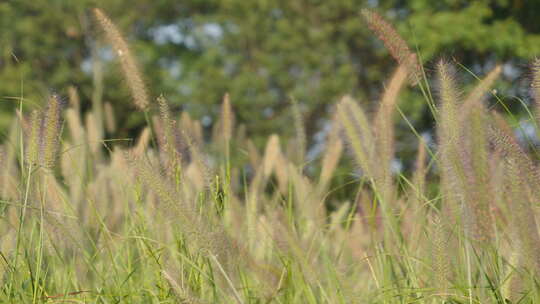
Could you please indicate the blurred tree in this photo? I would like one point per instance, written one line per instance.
(49, 45)
(260, 51)
(474, 30)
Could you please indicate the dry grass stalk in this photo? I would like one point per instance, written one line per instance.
(476, 154)
(253, 154)
(33, 143)
(72, 171)
(393, 42)
(186, 123)
(441, 262)
(129, 65)
(227, 119)
(479, 91)
(110, 120)
(522, 180)
(184, 296)
(282, 174)
(142, 143)
(199, 158)
(94, 136)
(169, 138)
(191, 129)
(359, 134)
(331, 157)
(420, 172)
(74, 124)
(450, 100)
(51, 125)
(452, 171)
(271, 154)
(464, 154)
(384, 131)
(74, 99)
(75, 154)
(9, 173)
(300, 140)
(170, 203)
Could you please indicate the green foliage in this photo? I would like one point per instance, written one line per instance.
(473, 30)
(261, 52)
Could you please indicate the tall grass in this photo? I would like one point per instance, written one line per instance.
(189, 220)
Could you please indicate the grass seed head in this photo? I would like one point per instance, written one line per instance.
(50, 131)
(129, 66)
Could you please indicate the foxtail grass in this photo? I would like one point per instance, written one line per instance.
(192, 218)
(130, 67)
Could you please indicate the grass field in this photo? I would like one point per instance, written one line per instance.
(176, 217)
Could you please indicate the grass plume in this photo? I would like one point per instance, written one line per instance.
(396, 46)
(129, 66)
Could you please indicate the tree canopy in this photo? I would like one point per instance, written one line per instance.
(263, 53)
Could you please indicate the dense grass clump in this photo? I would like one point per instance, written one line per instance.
(176, 218)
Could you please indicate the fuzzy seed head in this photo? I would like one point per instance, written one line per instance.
(130, 67)
(51, 125)
(227, 118)
(32, 151)
(396, 46)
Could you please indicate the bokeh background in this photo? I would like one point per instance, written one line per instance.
(263, 52)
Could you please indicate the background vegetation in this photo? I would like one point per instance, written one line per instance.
(112, 190)
(260, 52)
